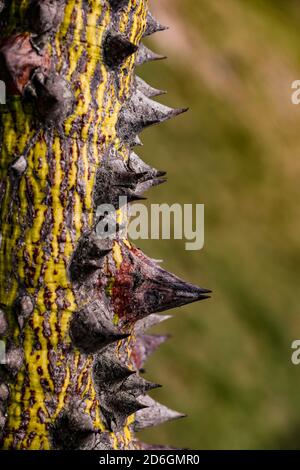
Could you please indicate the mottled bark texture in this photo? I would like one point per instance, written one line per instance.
(73, 308)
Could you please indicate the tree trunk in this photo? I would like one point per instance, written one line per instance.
(74, 306)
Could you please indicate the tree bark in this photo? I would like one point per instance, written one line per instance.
(74, 307)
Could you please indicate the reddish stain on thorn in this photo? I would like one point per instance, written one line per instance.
(18, 61)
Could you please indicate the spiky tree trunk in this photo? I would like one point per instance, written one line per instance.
(73, 307)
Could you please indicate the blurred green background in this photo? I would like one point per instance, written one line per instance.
(228, 365)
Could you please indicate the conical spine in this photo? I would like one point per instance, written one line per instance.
(116, 49)
(153, 26)
(144, 346)
(142, 112)
(118, 4)
(154, 414)
(144, 55)
(147, 89)
(141, 287)
(91, 330)
(73, 429)
(148, 322)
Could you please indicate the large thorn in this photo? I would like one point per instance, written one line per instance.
(137, 386)
(139, 166)
(109, 373)
(19, 61)
(118, 4)
(141, 287)
(116, 408)
(153, 26)
(91, 330)
(116, 48)
(88, 256)
(146, 55)
(148, 322)
(54, 98)
(151, 176)
(113, 183)
(73, 429)
(142, 112)
(118, 180)
(144, 346)
(146, 89)
(154, 414)
(150, 182)
(45, 15)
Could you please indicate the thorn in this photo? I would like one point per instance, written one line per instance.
(19, 165)
(138, 166)
(118, 4)
(24, 307)
(146, 55)
(148, 322)
(30, 91)
(4, 393)
(135, 197)
(136, 142)
(116, 49)
(142, 287)
(150, 183)
(73, 429)
(116, 408)
(19, 61)
(116, 181)
(124, 403)
(44, 15)
(144, 346)
(109, 373)
(13, 360)
(55, 98)
(141, 112)
(88, 256)
(153, 26)
(137, 386)
(91, 330)
(39, 42)
(146, 89)
(154, 414)
(161, 173)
